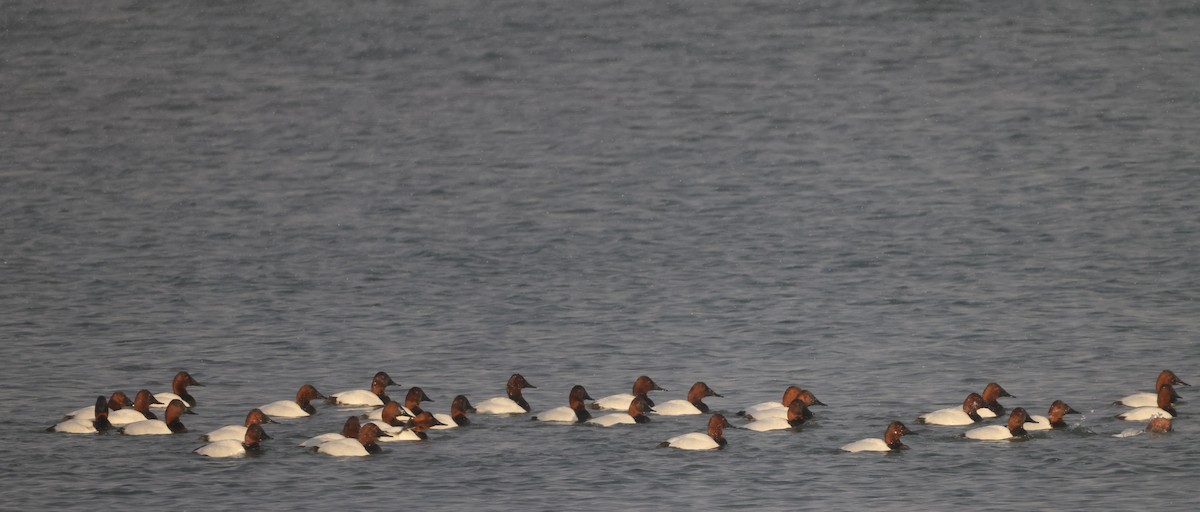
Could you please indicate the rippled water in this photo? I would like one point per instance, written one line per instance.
(890, 204)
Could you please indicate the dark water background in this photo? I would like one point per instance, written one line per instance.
(889, 203)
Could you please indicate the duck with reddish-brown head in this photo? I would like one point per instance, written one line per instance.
(514, 403)
(637, 412)
(642, 386)
(711, 439)
(693, 405)
(574, 412)
(299, 408)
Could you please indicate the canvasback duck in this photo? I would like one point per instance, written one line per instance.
(891, 440)
(693, 405)
(1165, 378)
(412, 401)
(965, 415)
(1159, 425)
(1053, 418)
(797, 414)
(991, 394)
(458, 414)
(712, 439)
(349, 431)
(1015, 428)
(234, 447)
(514, 403)
(642, 386)
(575, 412)
(299, 408)
(1155, 427)
(374, 397)
(237, 432)
(140, 411)
(97, 424)
(179, 391)
(170, 424)
(638, 408)
(414, 429)
(779, 409)
(392, 415)
(361, 446)
(1164, 410)
(115, 403)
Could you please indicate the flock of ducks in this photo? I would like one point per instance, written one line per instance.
(389, 420)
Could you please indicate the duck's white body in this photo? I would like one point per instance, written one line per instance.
(446, 420)
(678, 408)
(344, 447)
(984, 413)
(1145, 413)
(1040, 423)
(357, 397)
(324, 438)
(609, 420)
(767, 410)
(83, 412)
(77, 426)
(503, 405)
(165, 398)
(562, 414)
(867, 445)
(400, 434)
(614, 402)
(121, 417)
(990, 433)
(766, 424)
(1140, 400)
(226, 433)
(223, 448)
(693, 441)
(284, 409)
(951, 416)
(147, 428)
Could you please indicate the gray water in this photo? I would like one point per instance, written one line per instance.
(888, 203)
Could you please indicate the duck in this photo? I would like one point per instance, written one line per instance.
(360, 446)
(1159, 425)
(458, 414)
(797, 414)
(693, 405)
(140, 411)
(374, 397)
(967, 414)
(575, 412)
(514, 403)
(1053, 418)
(115, 402)
(779, 409)
(712, 439)
(349, 431)
(392, 415)
(414, 429)
(97, 424)
(1015, 428)
(638, 408)
(642, 386)
(237, 432)
(1164, 410)
(299, 408)
(234, 447)
(991, 394)
(1165, 378)
(170, 424)
(179, 391)
(890, 442)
